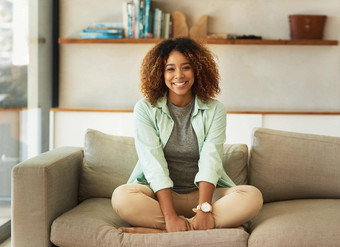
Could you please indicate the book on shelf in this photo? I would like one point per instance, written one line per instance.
(147, 19)
(151, 18)
(108, 25)
(157, 23)
(163, 25)
(103, 30)
(141, 21)
(131, 19)
(125, 19)
(136, 18)
(166, 25)
(87, 35)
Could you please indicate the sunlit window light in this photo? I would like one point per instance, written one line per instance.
(20, 32)
(14, 32)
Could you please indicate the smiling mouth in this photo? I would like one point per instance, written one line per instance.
(178, 84)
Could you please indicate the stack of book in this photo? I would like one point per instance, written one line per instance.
(140, 21)
(106, 30)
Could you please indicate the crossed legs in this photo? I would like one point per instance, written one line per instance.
(138, 205)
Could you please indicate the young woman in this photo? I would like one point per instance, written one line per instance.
(179, 183)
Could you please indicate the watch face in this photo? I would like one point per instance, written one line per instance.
(206, 207)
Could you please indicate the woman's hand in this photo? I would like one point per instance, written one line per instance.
(203, 221)
(177, 224)
(173, 223)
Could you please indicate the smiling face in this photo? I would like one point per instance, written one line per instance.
(179, 78)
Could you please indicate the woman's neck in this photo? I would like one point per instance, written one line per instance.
(180, 101)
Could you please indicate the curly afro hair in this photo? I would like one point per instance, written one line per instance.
(206, 85)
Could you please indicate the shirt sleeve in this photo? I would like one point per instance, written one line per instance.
(149, 148)
(210, 163)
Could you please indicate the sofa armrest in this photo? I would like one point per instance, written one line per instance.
(43, 188)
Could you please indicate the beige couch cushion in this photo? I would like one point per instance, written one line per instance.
(235, 162)
(109, 161)
(297, 223)
(286, 165)
(93, 223)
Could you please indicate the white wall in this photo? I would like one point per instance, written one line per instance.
(280, 78)
(68, 127)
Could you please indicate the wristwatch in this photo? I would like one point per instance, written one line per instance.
(205, 207)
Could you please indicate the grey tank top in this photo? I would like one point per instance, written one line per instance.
(181, 151)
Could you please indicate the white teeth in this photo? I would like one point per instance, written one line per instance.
(179, 83)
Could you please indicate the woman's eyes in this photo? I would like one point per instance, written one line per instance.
(183, 68)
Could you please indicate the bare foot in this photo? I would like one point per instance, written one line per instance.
(140, 230)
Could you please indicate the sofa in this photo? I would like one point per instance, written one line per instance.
(62, 197)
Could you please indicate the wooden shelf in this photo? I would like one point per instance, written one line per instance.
(107, 41)
(12, 109)
(208, 41)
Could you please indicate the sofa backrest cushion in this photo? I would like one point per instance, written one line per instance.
(109, 161)
(235, 162)
(287, 165)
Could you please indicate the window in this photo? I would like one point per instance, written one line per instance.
(13, 96)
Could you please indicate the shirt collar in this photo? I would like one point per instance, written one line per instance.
(162, 104)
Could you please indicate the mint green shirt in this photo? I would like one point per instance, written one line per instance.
(153, 127)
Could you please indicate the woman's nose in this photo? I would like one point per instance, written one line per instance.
(179, 74)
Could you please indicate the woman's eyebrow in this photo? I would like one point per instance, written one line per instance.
(171, 64)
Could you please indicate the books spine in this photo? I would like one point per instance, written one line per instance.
(130, 13)
(125, 19)
(101, 36)
(147, 18)
(163, 26)
(167, 25)
(104, 31)
(151, 22)
(141, 18)
(170, 27)
(108, 25)
(136, 22)
(157, 23)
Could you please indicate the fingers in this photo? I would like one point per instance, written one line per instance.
(203, 221)
(189, 225)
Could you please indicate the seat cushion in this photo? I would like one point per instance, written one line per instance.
(93, 223)
(109, 161)
(309, 222)
(286, 165)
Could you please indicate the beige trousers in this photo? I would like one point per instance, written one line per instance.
(232, 207)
